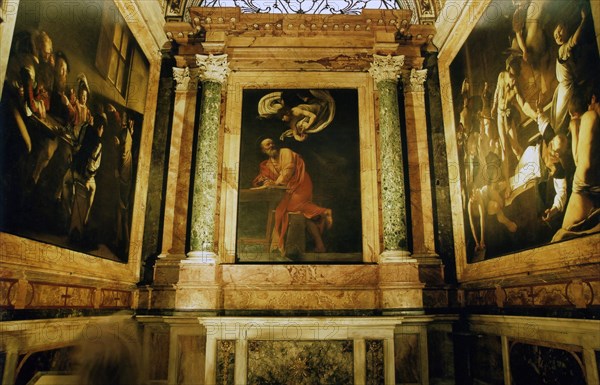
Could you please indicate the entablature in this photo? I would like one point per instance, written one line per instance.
(292, 42)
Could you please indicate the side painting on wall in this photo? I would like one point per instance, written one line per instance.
(526, 92)
(299, 196)
(71, 118)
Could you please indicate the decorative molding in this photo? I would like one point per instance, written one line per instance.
(213, 68)
(24, 294)
(577, 293)
(435, 298)
(500, 296)
(186, 78)
(386, 67)
(413, 80)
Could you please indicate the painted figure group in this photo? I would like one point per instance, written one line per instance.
(563, 155)
(55, 142)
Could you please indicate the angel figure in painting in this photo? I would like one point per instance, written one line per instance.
(303, 113)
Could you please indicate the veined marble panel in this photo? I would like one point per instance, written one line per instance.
(225, 362)
(285, 287)
(406, 357)
(531, 363)
(375, 373)
(300, 362)
(486, 358)
(294, 299)
(314, 275)
(115, 298)
(158, 366)
(191, 359)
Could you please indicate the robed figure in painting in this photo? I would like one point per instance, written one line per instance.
(286, 168)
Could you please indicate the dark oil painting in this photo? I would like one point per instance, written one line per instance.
(299, 177)
(526, 94)
(71, 122)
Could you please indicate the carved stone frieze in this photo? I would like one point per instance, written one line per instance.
(579, 293)
(23, 294)
(576, 293)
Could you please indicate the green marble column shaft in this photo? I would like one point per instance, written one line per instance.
(213, 73)
(392, 168)
(385, 71)
(204, 200)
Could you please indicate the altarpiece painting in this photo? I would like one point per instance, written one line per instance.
(299, 177)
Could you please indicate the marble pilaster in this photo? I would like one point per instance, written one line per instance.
(419, 176)
(213, 71)
(167, 269)
(385, 70)
(178, 172)
(152, 238)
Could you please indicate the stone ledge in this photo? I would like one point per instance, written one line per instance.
(285, 287)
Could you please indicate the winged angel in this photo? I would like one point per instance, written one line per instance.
(303, 113)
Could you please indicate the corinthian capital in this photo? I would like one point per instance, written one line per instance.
(386, 67)
(414, 80)
(186, 78)
(213, 68)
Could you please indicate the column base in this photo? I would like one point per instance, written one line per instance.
(166, 269)
(396, 256)
(201, 257)
(427, 258)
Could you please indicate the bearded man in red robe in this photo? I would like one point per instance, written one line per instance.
(286, 168)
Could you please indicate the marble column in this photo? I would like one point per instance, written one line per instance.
(180, 156)
(385, 70)
(419, 175)
(213, 71)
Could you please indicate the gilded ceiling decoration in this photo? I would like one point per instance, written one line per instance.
(423, 11)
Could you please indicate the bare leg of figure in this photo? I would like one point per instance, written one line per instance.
(475, 210)
(314, 231)
(514, 142)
